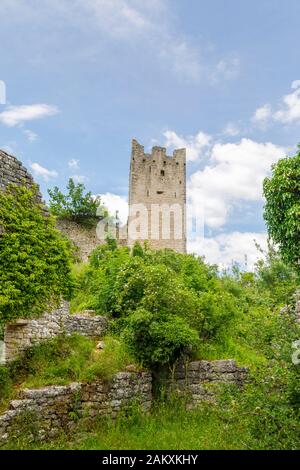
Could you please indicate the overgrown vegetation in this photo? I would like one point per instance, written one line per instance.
(75, 205)
(62, 360)
(237, 421)
(35, 258)
(282, 209)
(165, 307)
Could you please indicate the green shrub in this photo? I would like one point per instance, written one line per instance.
(155, 340)
(35, 258)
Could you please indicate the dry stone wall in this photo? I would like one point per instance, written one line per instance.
(12, 171)
(84, 238)
(22, 334)
(50, 410)
(199, 380)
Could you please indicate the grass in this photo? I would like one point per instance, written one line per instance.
(238, 420)
(60, 361)
(228, 348)
(169, 426)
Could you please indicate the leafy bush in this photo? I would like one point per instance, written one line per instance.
(282, 209)
(35, 258)
(75, 205)
(155, 340)
(177, 296)
(275, 277)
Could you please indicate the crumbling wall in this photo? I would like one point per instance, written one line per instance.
(199, 380)
(84, 238)
(12, 171)
(22, 334)
(44, 413)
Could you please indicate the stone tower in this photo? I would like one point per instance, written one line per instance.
(157, 198)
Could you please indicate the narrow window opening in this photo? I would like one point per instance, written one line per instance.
(162, 172)
(159, 192)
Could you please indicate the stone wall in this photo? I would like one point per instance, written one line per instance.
(12, 171)
(22, 334)
(50, 410)
(200, 379)
(84, 238)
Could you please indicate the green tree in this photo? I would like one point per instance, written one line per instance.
(282, 208)
(155, 339)
(75, 205)
(35, 258)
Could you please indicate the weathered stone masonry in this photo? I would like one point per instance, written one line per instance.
(22, 334)
(84, 238)
(12, 171)
(54, 408)
(198, 378)
(158, 180)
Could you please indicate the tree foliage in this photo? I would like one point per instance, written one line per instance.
(75, 205)
(35, 258)
(282, 208)
(164, 302)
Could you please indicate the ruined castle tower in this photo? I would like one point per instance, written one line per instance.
(157, 198)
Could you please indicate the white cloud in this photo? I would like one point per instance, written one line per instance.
(114, 202)
(234, 173)
(122, 18)
(31, 136)
(73, 164)
(182, 58)
(231, 130)
(288, 111)
(14, 115)
(41, 172)
(196, 146)
(295, 84)
(227, 69)
(151, 26)
(290, 108)
(262, 114)
(79, 179)
(229, 248)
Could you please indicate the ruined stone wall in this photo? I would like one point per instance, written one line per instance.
(12, 171)
(200, 379)
(54, 409)
(22, 334)
(156, 180)
(84, 238)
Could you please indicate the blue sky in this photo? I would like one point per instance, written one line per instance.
(221, 77)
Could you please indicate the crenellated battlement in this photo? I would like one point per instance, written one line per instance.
(138, 152)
